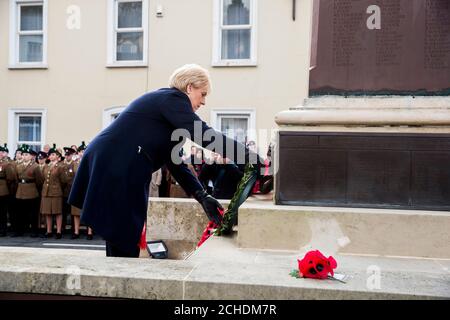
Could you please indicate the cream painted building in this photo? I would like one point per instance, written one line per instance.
(68, 67)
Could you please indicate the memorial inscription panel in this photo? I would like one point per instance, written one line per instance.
(380, 47)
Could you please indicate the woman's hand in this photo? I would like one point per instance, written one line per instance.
(211, 206)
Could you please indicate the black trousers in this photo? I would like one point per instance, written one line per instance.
(114, 251)
(12, 209)
(4, 201)
(67, 210)
(26, 218)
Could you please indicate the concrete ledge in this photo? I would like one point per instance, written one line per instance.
(176, 218)
(218, 270)
(375, 117)
(377, 102)
(263, 225)
(179, 222)
(380, 232)
(261, 274)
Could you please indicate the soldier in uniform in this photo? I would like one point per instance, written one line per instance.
(4, 152)
(7, 180)
(60, 155)
(75, 211)
(18, 156)
(46, 149)
(75, 155)
(67, 179)
(52, 193)
(29, 179)
(12, 206)
(41, 158)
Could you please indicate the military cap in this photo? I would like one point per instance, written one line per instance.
(42, 155)
(24, 148)
(54, 150)
(19, 147)
(82, 146)
(27, 149)
(69, 151)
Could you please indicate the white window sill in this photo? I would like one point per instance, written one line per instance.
(234, 63)
(127, 65)
(28, 66)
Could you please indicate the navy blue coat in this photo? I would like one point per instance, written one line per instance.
(111, 184)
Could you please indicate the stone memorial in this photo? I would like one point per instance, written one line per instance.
(397, 47)
(375, 130)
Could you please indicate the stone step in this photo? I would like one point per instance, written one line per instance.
(357, 231)
(218, 270)
(266, 272)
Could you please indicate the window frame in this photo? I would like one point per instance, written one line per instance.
(15, 33)
(14, 115)
(112, 23)
(250, 114)
(109, 113)
(218, 26)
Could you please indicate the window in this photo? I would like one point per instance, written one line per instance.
(26, 126)
(236, 124)
(111, 114)
(127, 36)
(28, 34)
(234, 42)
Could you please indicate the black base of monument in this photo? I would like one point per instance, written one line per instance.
(374, 170)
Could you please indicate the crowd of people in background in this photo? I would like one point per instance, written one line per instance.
(219, 176)
(34, 186)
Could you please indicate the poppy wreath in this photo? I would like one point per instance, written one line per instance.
(230, 216)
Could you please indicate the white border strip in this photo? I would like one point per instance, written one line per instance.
(74, 245)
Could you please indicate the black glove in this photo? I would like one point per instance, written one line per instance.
(210, 205)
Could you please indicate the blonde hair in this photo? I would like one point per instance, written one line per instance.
(190, 74)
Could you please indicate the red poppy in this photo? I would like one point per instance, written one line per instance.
(315, 265)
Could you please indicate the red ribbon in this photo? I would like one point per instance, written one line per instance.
(209, 230)
(143, 241)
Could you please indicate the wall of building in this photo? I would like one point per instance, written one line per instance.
(77, 86)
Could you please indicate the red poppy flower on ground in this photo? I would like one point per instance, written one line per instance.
(315, 265)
